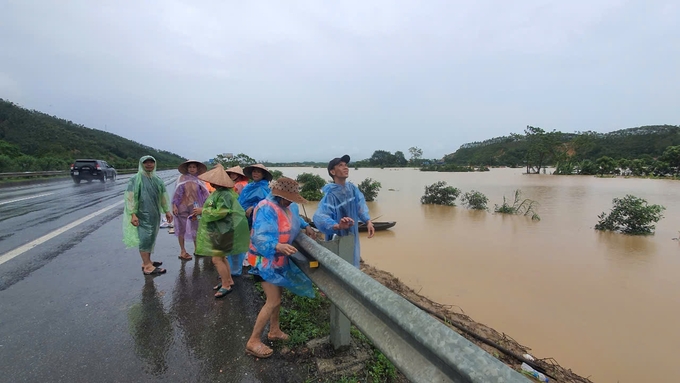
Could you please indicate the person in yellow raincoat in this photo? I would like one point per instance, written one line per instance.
(145, 199)
(222, 228)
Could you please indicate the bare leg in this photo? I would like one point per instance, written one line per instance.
(146, 262)
(274, 327)
(273, 304)
(222, 267)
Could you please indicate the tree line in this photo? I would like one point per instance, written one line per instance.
(34, 141)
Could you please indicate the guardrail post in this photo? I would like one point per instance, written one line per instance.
(340, 324)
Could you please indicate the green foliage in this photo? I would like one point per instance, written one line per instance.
(36, 141)
(513, 150)
(631, 215)
(311, 186)
(369, 188)
(440, 194)
(229, 161)
(383, 158)
(380, 369)
(276, 174)
(475, 200)
(446, 168)
(519, 206)
(304, 318)
(416, 156)
(606, 165)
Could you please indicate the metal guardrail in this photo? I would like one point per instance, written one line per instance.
(57, 173)
(421, 347)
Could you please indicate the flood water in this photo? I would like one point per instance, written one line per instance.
(605, 305)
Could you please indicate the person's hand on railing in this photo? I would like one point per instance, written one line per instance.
(285, 249)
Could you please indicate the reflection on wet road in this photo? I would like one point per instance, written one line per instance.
(77, 307)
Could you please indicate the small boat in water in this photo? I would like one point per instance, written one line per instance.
(378, 225)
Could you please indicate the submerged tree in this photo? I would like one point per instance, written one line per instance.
(440, 194)
(369, 188)
(311, 186)
(631, 215)
(475, 200)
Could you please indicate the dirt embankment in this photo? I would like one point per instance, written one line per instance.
(500, 345)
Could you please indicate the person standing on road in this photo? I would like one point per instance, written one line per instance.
(145, 199)
(237, 262)
(276, 224)
(223, 228)
(255, 191)
(189, 193)
(342, 206)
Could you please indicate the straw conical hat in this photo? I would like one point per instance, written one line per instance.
(184, 167)
(237, 170)
(217, 176)
(249, 171)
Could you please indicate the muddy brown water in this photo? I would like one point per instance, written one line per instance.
(605, 305)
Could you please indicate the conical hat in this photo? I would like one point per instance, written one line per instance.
(236, 169)
(217, 176)
(249, 171)
(184, 167)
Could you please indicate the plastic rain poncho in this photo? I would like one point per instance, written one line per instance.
(252, 194)
(188, 190)
(342, 201)
(274, 224)
(222, 228)
(236, 261)
(147, 198)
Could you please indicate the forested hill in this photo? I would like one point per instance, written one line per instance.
(32, 141)
(513, 150)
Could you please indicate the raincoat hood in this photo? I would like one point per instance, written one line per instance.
(141, 169)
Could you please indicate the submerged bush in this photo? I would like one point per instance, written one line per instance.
(440, 194)
(631, 215)
(475, 200)
(276, 174)
(519, 206)
(311, 186)
(369, 188)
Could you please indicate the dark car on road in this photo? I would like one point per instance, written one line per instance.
(89, 170)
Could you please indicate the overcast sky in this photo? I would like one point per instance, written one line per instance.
(285, 80)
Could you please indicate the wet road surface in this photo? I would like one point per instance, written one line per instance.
(77, 308)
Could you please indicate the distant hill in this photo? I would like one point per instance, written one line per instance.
(32, 141)
(633, 143)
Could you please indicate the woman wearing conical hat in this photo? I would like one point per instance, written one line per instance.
(255, 191)
(240, 179)
(223, 228)
(189, 191)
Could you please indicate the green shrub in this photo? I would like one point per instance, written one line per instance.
(276, 174)
(519, 206)
(311, 186)
(440, 194)
(369, 188)
(475, 200)
(630, 215)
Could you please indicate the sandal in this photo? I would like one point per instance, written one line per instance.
(156, 271)
(217, 287)
(222, 292)
(155, 264)
(261, 351)
(185, 257)
(282, 337)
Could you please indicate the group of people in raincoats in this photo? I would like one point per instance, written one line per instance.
(228, 217)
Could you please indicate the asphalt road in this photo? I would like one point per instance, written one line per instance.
(75, 306)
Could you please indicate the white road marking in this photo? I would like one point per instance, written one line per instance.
(25, 198)
(20, 250)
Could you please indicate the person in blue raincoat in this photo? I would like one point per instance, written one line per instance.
(276, 224)
(145, 200)
(342, 206)
(255, 191)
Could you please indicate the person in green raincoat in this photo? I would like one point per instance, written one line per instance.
(145, 200)
(222, 228)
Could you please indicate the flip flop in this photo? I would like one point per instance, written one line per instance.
(155, 264)
(187, 258)
(283, 337)
(217, 287)
(156, 271)
(222, 292)
(261, 351)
